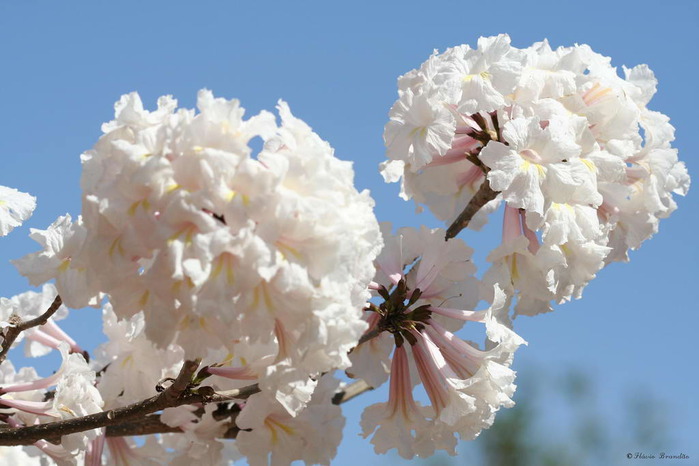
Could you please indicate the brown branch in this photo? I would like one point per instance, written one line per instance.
(120, 426)
(170, 397)
(484, 195)
(17, 326)
(138, 418)
(151, 424)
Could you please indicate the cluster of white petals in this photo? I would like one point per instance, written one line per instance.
(272, 436)
(266, 254)
(23, 394)
(29, 305)
(559, 136)
(197, 247)
(134, 365)
(428, 292)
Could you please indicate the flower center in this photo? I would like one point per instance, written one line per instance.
(396, 315)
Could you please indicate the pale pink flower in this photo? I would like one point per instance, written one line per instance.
(424, 284)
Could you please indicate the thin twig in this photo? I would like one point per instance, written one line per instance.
(484, 195)
(17, 327)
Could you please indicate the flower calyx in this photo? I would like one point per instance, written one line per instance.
(396, 315)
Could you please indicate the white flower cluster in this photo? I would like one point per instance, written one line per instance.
(559, 135)
(75, 395)
(29, 305)
(218, 248)
(257, 263)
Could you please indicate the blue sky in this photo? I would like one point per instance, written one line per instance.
(336, 64)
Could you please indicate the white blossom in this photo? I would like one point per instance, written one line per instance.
(557, 133)
(15, 208)
(426, 295)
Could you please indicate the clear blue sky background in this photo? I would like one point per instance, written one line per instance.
(65, 63)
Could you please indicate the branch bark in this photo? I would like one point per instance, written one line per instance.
(170, 397)
(484, 195)
(134, 420)
(17, 327)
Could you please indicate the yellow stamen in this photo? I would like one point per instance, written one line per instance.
(286, 250)
(66, 409)
(116, 245)
(589, 164)
(483, 74)
(144, 298)
(64, 265)
(514, 272)
(272, 425)
(420, 130)
(128, 360)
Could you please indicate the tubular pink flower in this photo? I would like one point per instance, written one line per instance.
(121, 453)
(529, 234)
(236, 373)
(390, 262)
(432, 292)
(515, 225)
(431, 263)
(40, 408)
(40, 384)
(471, 177)
(44, 338)
(431, 366)
(52, 328)
(511, 227)
(434, 258)
(400, 394)
(56, 452)
(373, 320)
(463, 359)
(93, 456)
(460, 147)
(374, 286)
